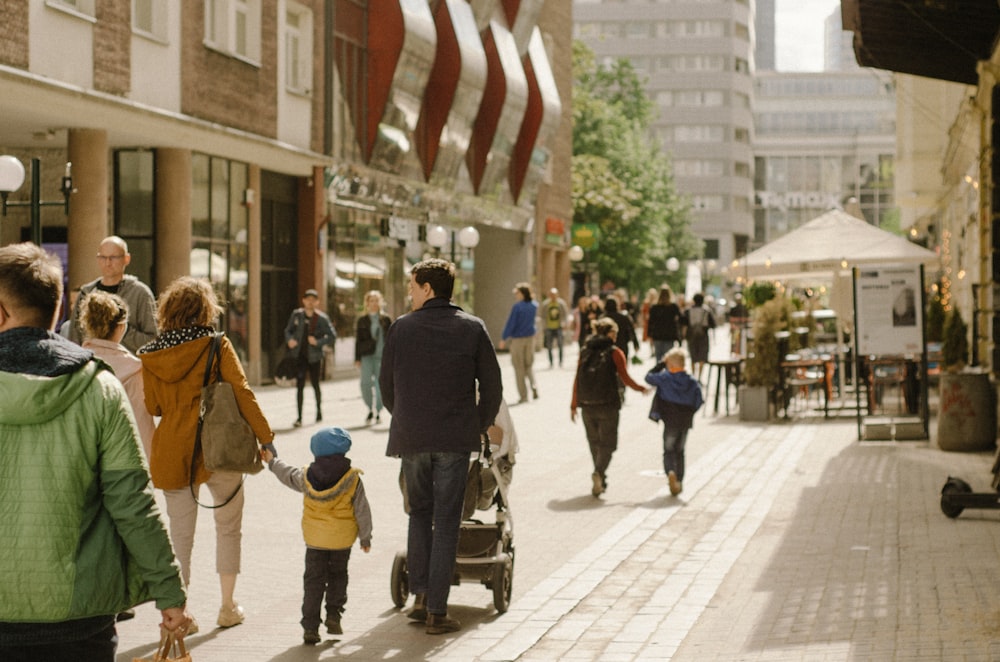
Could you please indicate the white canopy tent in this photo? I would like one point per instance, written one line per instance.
(828, 245)
(825, 250)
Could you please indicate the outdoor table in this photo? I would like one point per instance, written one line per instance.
(727, 371)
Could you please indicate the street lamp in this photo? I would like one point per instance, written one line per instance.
(11, 179)
(581, 279)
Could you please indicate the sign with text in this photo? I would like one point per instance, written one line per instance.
(888, 309)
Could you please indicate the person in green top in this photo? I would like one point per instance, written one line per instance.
(81, 536)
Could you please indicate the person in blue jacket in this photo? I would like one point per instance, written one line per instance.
(520, 330)
(678, 397)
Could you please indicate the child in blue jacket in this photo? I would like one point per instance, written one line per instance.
(678, 397)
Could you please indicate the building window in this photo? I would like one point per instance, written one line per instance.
(298, 48)
(697, 133)
(219, 250)
(80, 7)
(149, 17)
(233, 27)
(135, 210)
(708, 203)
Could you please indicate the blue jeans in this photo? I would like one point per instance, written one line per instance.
(554, 336)
(660, 347)
(673, 451)
(370, 391)
(435, 488)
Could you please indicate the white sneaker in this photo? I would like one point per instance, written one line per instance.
(230, 617)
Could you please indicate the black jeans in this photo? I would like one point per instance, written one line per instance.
(326, 574)
(601, 424)
(98, 647)
(312, 369)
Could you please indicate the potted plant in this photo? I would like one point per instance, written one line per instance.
(967, 417)
(763, 363)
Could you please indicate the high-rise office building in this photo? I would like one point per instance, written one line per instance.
(764, 49)
(821, 140)
(697, 60)
(838, 45)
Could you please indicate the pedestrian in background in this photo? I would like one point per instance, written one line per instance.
(307, 331)
(369, 340)
(112, 258)
(441, 382)
(600, 373)
(520, 329)
(335, 513)
(82, 537)
(626, 330)
(665, 323)
(555, 313)
(698, 321)
(104, 319)
(173, 368)
(678, 397)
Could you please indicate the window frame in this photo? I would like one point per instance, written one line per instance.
(233, 27)
(298, 79)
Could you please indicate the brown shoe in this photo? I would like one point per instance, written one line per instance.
(675, 485)
(441, 624)
(419, 610)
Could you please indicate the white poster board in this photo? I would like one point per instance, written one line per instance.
(888, 312)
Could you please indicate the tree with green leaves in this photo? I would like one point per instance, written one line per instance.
(622, 181)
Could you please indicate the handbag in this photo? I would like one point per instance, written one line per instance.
(286, 371)
(171, 649)
(224, 439)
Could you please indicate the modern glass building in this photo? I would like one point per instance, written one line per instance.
(822, 140)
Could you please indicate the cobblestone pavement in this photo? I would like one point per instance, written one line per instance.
(790, 541)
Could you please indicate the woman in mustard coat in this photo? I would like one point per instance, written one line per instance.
(173, 367)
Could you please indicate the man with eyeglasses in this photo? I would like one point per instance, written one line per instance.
(112, 258)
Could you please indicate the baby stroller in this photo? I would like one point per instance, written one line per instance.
(485, 550)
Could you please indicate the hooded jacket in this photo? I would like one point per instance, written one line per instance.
(173, 374)
(678, 397)
(128, 370)
(335, 509)
(81, 535)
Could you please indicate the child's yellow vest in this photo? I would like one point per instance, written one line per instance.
(328, 516)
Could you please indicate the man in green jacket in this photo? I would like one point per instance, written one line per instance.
(81, 538)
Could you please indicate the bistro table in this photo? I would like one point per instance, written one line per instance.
(727, 372)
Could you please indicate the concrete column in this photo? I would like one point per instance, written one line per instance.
(173, 215)
(88, 222)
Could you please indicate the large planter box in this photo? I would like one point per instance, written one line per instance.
(755, 403)
(967, 414)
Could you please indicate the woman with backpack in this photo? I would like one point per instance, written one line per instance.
(698, 319)
(600, 374)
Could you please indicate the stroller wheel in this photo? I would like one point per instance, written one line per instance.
(503, 581)
(399, 582)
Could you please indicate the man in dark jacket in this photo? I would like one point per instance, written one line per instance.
(433, 359)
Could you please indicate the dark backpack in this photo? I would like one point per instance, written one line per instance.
(596, 377)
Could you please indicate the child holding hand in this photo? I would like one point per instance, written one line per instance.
(335, 512)
(678, 397)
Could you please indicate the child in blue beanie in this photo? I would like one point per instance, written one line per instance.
(335, 512)
(678, 397)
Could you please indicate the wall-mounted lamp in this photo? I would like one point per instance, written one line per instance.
(11, 179)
